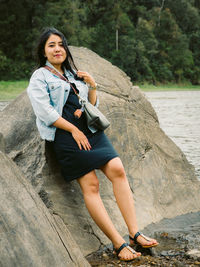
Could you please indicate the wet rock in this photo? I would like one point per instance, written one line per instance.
(105, 256)
(145, 251)
(171, 253)
(178, 263)
(194, 254)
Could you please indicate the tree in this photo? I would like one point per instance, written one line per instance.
(173, 46)
(154, 40)
(185, 14)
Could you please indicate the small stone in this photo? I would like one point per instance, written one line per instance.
(164, 253)
(178, 263)
(105, 256)
(194, 254)
(164, 234)
(197, 262)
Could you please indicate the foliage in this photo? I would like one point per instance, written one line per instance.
(153, 41)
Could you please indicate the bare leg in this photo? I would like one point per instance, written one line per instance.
(114, 170)
(90, 187)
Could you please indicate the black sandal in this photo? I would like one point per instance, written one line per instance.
(125, 245)
(145, 237)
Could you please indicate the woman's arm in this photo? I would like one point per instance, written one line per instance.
(78, 136)
(92, 96)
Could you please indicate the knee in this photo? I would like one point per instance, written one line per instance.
(119, 172)
(114, 169)
(92, 187)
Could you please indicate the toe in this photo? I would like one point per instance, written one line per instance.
(154, 241)
(127, 255)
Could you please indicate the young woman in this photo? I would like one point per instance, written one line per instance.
(79, 149)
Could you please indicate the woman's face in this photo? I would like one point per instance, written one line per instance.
(54, 50)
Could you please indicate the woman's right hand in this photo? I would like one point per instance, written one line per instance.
(81, 139)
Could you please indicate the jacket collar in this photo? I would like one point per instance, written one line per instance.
(67, 73)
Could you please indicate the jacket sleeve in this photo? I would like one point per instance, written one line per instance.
(40, 100)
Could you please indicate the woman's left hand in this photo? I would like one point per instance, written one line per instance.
(87, 77)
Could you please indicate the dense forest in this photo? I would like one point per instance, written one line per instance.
(151, 40)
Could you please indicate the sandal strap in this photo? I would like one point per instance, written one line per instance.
(131, 250)
(145, 237)
(136, 236)
(124, 245)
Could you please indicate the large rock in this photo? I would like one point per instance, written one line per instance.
(162, 181)
(30, 235)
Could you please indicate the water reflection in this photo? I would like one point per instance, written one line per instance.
(179, 116)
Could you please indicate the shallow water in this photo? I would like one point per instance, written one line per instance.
(179, 116)
(177, 233)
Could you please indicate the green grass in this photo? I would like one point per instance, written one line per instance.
(9, 90)
(169, 87)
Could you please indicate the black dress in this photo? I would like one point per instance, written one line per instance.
(73, 161)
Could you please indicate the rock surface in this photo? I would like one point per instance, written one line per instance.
(162, 181)
(3, 104)
(29, 234)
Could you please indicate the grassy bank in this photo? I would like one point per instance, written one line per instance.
(169, 87)
(11, 89)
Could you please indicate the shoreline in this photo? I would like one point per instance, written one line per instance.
(179, 245)
(9, 90)
(169, 90)
(168, 87)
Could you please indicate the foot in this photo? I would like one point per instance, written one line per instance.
(142, 240)
(126, 253)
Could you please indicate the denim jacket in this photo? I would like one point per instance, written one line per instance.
(48, 95)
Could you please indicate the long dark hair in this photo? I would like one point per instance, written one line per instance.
(41, 59)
